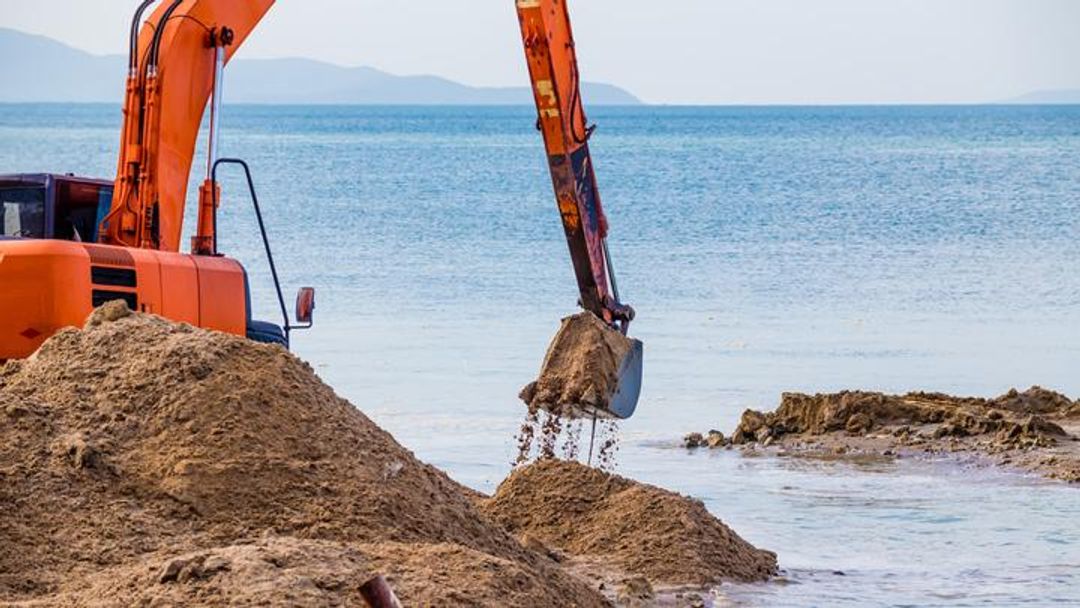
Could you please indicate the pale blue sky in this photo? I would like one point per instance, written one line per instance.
(674, 51)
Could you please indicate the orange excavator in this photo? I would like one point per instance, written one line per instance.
(71, 243)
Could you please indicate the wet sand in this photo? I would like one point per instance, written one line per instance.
(1036, 430)
(580, 372)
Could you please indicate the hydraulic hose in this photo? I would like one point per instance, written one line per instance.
(133, 46)
(575, 102)
(151, 55)
(159, 32)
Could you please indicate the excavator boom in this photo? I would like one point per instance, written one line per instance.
(171, 73)
(132, 252)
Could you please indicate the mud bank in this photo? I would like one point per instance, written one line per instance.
(1036, 430)
(144, 462)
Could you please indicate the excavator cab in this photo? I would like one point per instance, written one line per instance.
(48, 206)
(69, 244)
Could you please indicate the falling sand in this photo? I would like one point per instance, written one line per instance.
(567, 403)
(546, 435)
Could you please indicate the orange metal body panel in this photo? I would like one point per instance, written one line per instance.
(179, 289)
(46, 286)
(148, 271)
(51, 284)
(219, 293)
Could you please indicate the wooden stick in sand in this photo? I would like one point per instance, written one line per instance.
(378, 594)
(592, 436)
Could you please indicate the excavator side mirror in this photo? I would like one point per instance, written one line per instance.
(305, 305)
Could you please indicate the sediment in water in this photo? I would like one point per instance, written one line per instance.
(1014, 419)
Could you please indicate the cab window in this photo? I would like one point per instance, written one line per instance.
(23, 212)
(80, 206)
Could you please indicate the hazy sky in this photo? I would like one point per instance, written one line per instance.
(673, 51)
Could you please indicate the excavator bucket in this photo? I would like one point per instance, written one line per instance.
(590, 370)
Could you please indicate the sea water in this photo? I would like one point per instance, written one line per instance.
(765, 250)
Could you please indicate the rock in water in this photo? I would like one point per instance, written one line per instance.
(693, 440)
(580, 372)
(715, 439)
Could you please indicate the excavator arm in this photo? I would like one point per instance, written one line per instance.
(174, 63)
(607, 381)
(556, 84)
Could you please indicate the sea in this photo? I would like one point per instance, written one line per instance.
(766, 250)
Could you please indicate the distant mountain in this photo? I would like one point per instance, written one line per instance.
(1058, 97)
(39, 69)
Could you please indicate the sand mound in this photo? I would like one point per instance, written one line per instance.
(300, 572)
(581, 368)
(137, 441)
(643, 530)
(1014, 419)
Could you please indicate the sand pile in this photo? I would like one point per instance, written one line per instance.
(143, 461)
(1036, 420)
(287, 571)
(580, 371)
(642, 530)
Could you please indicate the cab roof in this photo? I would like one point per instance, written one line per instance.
(40, 179)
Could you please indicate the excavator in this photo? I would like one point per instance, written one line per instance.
(71, 243)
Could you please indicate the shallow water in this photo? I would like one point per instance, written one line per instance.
(810, 249)
(909, 533)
